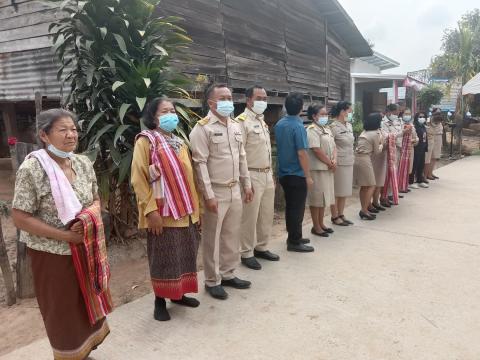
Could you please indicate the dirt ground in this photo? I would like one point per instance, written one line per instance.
(22, 323)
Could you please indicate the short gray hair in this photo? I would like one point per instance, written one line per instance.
(46, 119)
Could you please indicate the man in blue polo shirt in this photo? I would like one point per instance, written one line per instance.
(293, 170)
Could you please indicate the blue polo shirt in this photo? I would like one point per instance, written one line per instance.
(291, 136)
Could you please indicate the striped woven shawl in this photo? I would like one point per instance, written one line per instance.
(91, 265)
(404, 165)
(167, 178)
(391, 183)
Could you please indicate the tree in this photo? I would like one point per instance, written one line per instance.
(115, 56)
(4, 262)
(430, 95)
(461, 50)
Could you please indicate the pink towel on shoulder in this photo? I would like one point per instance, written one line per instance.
(67, 203)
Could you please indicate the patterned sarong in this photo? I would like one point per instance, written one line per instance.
(391, 183)
(167, 177)
(404, 164)
(91, 265)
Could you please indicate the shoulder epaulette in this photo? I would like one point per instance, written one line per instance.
(241, 117)
(311, 126)
(204, 121)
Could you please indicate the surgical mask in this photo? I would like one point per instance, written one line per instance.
(225, 107)
(322, 120)
(393, 117)
(407, 118)
(59, 153)
(421, 120)
(168, 122)
(259, 107)
(350, 117)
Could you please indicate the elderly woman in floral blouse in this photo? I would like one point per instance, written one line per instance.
(48, 238)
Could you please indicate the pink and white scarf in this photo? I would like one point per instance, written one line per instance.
(391, 179)
(66, 201)
(404, 164)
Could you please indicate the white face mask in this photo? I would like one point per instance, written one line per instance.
(407, 118)
(393, 117)
(421, 120)
(259, 107)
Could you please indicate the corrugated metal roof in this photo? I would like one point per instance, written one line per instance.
(25, 72)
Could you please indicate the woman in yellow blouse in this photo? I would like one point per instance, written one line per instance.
(168, 207)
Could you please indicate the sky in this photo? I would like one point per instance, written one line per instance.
(408, 31)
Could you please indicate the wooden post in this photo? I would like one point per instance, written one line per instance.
(6, 270)
(38, 110)
(24, 269)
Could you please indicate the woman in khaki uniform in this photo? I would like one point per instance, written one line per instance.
(322, 155)
(370, 143)
(435, 138)
(343, 134)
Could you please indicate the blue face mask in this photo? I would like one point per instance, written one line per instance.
(225, 107)
(322, 120)
(407, 118)
(350, 117)
(168, 122)
(59, 153)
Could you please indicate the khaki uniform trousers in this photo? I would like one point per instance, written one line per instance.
(220, 235)
(257, 216)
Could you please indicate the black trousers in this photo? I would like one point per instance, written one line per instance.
(295, 189)
(418, 165)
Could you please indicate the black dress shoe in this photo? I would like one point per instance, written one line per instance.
(237, 283)
(385, 203)
(345, 220)
(322, 234)
(187, 301)
(217, 292)
(373, 210)
(334, 221)
(328, 230)
(266, 255)
(305, 241)
(366, 216)
(251, 263)
(302, 248)
(378, 207)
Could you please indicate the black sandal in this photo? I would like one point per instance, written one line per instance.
(343, 223)
(327, 230)
(378, 207)
(366, 216)
(323, 234)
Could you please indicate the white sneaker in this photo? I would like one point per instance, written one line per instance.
(423, 185)
(413, 186)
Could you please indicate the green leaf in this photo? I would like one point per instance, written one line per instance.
(121, 43)
(103, 31)
(117, 84)
(123, 111)
(81, 5)
(161, 50)
(143, 127)
(147, 82)
(111, 9)
(92, 154)
(120, 130)
(94, 140)
(124, 167)
(94, 121)
(115, 154)
(127, 24)
(141, 32)
(141, 103)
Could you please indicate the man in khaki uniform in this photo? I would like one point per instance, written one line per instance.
(220, 162)
(257, 217)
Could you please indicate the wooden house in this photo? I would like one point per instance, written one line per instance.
(284, 45)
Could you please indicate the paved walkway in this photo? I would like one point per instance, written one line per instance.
(406, 286)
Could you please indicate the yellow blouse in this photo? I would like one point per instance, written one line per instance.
(144, 193)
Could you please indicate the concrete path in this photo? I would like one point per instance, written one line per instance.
(406, 286)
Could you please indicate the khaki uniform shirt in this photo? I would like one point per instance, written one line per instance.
(370, 143)
(393, 127)
(320, 137)
(218, 154)
(256, 140)
(437, 128)
(344, 139)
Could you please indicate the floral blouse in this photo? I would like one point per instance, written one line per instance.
(34, 195)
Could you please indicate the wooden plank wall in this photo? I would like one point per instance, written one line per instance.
(276, 43)
(339, 69)
(25, 25)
